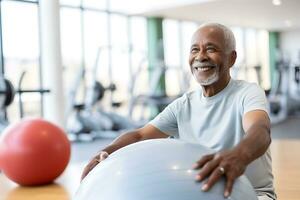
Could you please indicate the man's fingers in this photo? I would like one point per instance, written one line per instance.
(207, 169)
(228, 187)
(95, 161)
(202, 161)
(88, 168)
(213, 178)
(103, 155)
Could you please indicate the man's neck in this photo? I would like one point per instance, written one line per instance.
(215, 88)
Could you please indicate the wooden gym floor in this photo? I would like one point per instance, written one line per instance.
(285, 150)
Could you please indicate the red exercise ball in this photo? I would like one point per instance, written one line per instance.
(33, 152)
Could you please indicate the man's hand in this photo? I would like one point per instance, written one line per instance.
(225, 163)
(95, 161)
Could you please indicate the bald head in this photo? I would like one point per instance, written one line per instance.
(228, 35)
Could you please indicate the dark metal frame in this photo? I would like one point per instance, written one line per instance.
(2, 65)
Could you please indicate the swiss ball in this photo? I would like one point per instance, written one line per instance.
(33, 152)
(156, 169)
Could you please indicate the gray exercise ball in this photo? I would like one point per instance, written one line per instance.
(157, 169)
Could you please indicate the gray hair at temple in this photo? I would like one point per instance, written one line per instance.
(228, 34)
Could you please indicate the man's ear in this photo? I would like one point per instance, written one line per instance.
(232, 58)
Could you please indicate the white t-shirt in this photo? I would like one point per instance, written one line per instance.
(216, 122)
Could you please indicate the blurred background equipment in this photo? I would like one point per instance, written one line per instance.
(7, 94)
(154, 98)
(284, 98)
(90, 120)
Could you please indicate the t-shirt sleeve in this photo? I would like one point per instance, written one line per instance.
(166, 121)
(254, 99)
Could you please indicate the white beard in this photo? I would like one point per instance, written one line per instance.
(210, 80)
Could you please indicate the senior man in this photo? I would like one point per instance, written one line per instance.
(229, 116)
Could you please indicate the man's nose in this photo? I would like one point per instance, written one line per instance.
(201, 56)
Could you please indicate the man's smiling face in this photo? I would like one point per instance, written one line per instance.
(208, 59)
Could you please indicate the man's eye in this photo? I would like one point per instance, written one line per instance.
(194, 50)
(210, 49)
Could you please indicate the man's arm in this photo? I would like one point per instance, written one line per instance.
(256, 125)
(232, 163)
(145, 133)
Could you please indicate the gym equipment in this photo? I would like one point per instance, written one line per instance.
(297, 75)
(154, 98)
(89, 120)
(33, 152)
(22, 91)
(295, 88)
(7, 95)
(6, 98)
(243, 69)
(278, 97)
(156, 169)
(284, 96)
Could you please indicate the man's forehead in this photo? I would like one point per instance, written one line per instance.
(207, 33)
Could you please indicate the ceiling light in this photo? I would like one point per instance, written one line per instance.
(276, 2)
